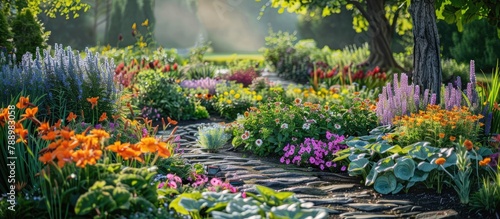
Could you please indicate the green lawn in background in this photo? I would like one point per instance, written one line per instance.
(222, 58)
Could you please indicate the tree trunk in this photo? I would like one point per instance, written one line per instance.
(426, 62)
(380, 33)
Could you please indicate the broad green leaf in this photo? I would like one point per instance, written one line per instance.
(264, 191)
(385, 183)
(419, 176)
(178, 208)
(370, 178)
(357, 144)
(192, 205)
(141, 203)
(426, 166)
(404, 168)
(92, 200)
(382, 147)
(217, 207)
(356, 167)
(398, 188)
(384, 165)
(121, 197)
(283, 195)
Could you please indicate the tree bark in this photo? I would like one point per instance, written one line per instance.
(426, 61)
(380, 33)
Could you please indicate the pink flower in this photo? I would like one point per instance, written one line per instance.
(244, 194)
(328, 164)
(216, 182)
(322, 167)
(287, 161)
(161, 185)
(312, 160)
(343, 168)
(172, 185)
(282, 159)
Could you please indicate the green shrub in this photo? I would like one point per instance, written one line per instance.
(5, 34)
(27, 33)
(199, 71)
(452, 69)
(159, 91)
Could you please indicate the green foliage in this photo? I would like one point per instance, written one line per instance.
(159, 91)
(391, 168)
(174, 165)
(452, 69)
(488, 197)
(291, 61)
(232, 99)
(126, 191)
(199, 71)
(114, 32)
(478, 42)
(266, 204)
(5, 33)
(463, 12)
(212, 137)
(27, 33)
(201, 112)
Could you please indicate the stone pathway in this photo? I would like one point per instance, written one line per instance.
(341, 196)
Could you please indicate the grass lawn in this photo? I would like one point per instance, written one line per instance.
(223, 58)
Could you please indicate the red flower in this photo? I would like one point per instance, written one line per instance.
(175, 66)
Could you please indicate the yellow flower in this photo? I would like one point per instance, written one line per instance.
(345, 91)
(229, 101)
(237, 96)
(231, 92)
(336, 96)
(226, 93)
(258, 97)
(134, 26)
(142, 44)
(145, 23)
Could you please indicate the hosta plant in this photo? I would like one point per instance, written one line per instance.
(266, 204)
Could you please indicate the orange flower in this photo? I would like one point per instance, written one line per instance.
(150, 144)
(50, 136)
(58, 124)
(103, 117)
(4, 116)
(171, 121)
(485, 161)
(47, 157)
(30, 113)
(93, 101)
(99, 133)
(125, 151)
(84, 157)
(452, 138)
(63, 157)
(21, 132)
(441, 135)
(246, 114)
(440, 161)
(23, 102)
(71, 117)
(164, 151)
(468, 144)
(67, 134)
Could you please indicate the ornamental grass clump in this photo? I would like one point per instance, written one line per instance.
(212, 137)
(316, 153)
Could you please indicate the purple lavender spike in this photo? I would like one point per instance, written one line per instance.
(433, 99)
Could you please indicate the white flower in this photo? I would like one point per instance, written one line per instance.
(258, 142)
(284, 126)
(244, 137)
(337, 126)
(306, 126)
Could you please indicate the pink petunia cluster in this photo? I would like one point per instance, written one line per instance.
(314, 152)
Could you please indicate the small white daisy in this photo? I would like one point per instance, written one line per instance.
(284, 126)
(306, 126)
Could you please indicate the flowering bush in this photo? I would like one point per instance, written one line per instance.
(244, 77)
(266, 129)
(438, 126)
(232, 99)
(206, 83)
(315, 152)
(125, 75)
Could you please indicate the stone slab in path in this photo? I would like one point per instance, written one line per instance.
(370, 207)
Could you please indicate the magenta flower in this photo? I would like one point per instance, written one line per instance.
(282, 160)
(216, 182)
(343, 168)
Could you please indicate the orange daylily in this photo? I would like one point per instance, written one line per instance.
(21, 132)
(452, 138)
(30, 113)
(99, 133)
(171, 121)
(71, 117)
(441, 135)
(125, 150)
(93, 101)
(63, 157)
(468, 144)
(150, 144)
(46, 157)
(23, 102)
(44, 127)
(84, 157)
(485, 161)
(58, 124)
(4, 116)
(67, 134)
(103, 117)
(164, 151)
(50, 136)
(440, 161)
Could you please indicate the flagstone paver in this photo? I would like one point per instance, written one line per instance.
(342, 196)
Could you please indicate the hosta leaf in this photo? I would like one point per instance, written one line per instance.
(384, 165)
(370, 178)
(192, 205)
(426, 166)
(385, 183)
(404, 168)
(94, 199)
(398, 188)
(419, 176)
(382, 147)
(356, 167)
(357, 144)
(121, 197)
